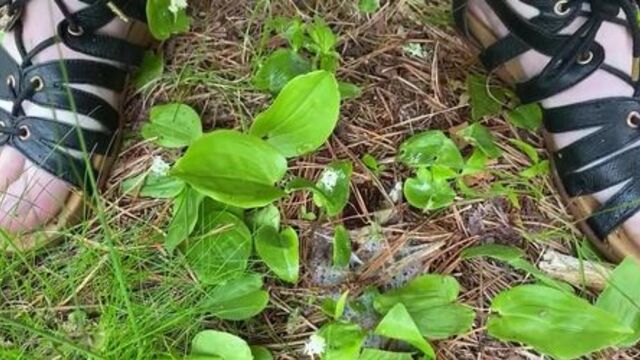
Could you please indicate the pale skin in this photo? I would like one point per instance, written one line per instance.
(31, 197)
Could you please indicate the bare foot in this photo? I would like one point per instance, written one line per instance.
(618, 44)
(30, 197)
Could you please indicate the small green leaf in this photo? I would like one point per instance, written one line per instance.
(371, 163)
(233, 168)
(479, 136)
(217, 344)
(266, 216)
(541, 168)
(322, 36)
(162, 22)
(150, 70)
(261, 353)
(430, 148)
(621, 297)
(280, 68)
(399, 325)
(220, 248)
(343, 340)
(485, 99)
(527, 149)
(375, 354)
(333, 183)
(185, 217)
(303, 115)
(477, 163)
(527, 117)
(280, 251)
(427, 193)
(237, 299)
(368, 6)
(349, 90)
(554, 322)
(341, 247)
(333, 308)
(173, 125)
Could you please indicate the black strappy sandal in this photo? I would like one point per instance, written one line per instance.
(58, 147)
(573, 59)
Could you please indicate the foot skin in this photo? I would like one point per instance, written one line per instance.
(29, 196)
(617, 42)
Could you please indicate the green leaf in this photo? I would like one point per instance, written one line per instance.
(444, 321)
(553, 322)
(485, 99)
(333, 308)
(349, 90)
(375, 354)
(173, 125)
(621, 297)
(266, 216)
(399, 325)
(477, 163)
(541, 168)
(233, 168)
(238, 299)
(303, 115)
(427, 193)
(430, 148)
(333, 185)
(527, 149)
(479, 136)
(150, 70)
(527, 117)
(341, 247)
(322, 36)
(280, 68)
(261, 353)
(221, 249)
(185, 217)
(371, 163)
(162, 22)
(343, 341)
(368, 6)
(514, 257)
(221, 345)
(279, 251)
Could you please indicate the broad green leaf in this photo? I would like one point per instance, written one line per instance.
(261, 353)
(343, 341)
(237, 299)
(479, 136)
(341, 247)
(621, 297)
(266, 216)
(485, 98)
(233, 168)
(375, 354)
(541, 168)
(349, 90)
(527, 149)
(514, 257)
(430, 148)
(399, 325)
(220, 344)
(303, 115)
(444, 321)
(155, 183)
(173, 125)
(527, 117)
(333, 183)
(476, 163)
(163, 22)
(220, 248)
(185, 217)
(280, 68)
(322, 36)
(150, 70)
(368, 6)
(279, 251)
(426, 193)
(554, 322)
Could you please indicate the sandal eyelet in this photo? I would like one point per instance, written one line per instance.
(11, 81)
(78, 31)
(38, 83)
(586, 58)
(25, 133)
(562, 8)
(633, 120)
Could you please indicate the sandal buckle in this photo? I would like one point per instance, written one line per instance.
(117, 11)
